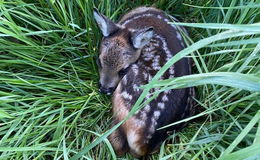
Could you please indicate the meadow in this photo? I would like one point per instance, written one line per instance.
(50, 107)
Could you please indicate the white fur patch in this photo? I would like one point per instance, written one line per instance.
(166, 20)
(139, 122)
(149, 137)
(156, 115)
(165, 98)
(143, 116)
(154, 119)
(171, 76)
(161, 105)
(159, 16)
(153, 124)
(171, 70)
(126, 95)
(147, 108)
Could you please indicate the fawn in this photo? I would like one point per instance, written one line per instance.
(131, 53)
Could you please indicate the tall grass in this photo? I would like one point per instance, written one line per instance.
(49, 104)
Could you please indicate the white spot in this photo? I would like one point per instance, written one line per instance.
(139, 122)
(161, 105)
(126, 95)
(143, 116)
(153, 124)
(159, 16)
(156, 115)
(166, 20)
(171, 70)
(151, 129)
(147, 108)
(165, 98)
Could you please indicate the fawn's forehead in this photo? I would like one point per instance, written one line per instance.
(118, 40)
(114, 48)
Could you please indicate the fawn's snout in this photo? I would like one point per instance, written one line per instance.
(105, 90)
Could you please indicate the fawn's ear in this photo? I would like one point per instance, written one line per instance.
(141, 38)
(106, 25)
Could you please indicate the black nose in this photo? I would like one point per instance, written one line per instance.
(107, 91)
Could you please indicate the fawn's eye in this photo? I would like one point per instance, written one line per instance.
(98, 63)
(123, 71)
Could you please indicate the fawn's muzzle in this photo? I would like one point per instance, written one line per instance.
(107, 91)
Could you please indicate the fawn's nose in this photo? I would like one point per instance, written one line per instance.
(107, 91)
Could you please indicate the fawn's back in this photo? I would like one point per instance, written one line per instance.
(131, 53)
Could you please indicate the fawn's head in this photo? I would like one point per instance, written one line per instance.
(119, 48)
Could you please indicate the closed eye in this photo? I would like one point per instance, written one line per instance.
(123, 71)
